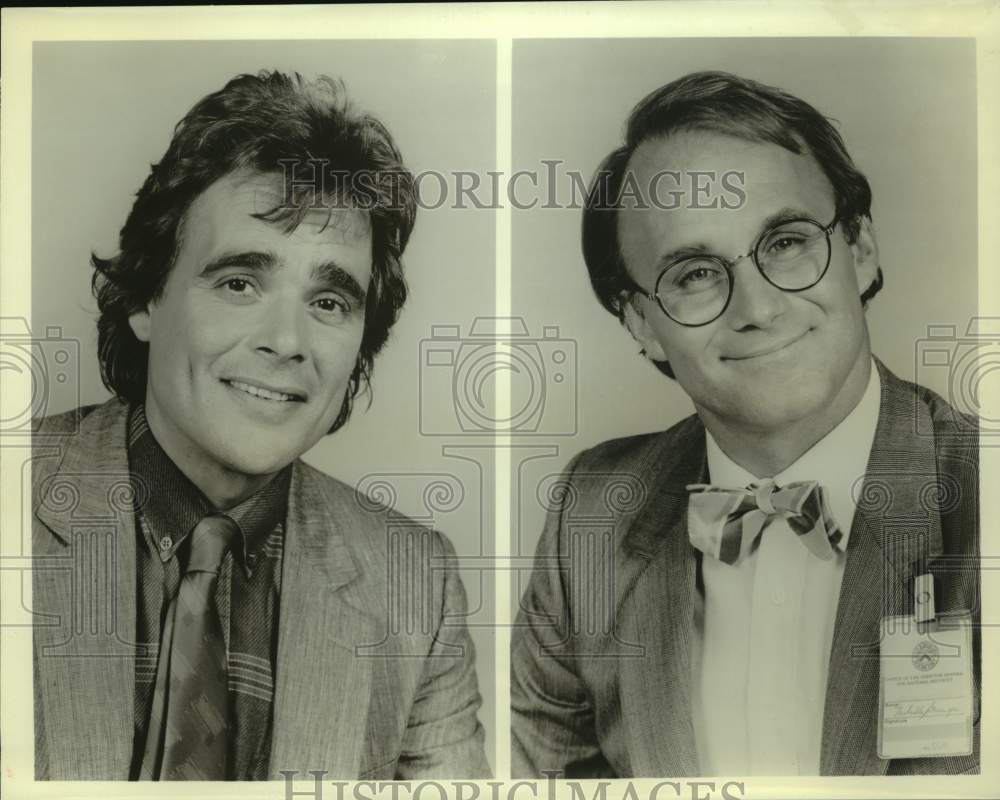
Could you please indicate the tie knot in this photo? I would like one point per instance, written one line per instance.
(763, 492)
(210, 540)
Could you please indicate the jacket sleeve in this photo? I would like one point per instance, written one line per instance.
(444, 738)
(552, 720)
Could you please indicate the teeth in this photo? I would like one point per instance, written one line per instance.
(257, 391)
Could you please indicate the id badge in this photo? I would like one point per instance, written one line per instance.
(925, 687)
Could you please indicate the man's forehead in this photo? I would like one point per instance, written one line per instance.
(689, 150)
(687, 161)
(242, 197)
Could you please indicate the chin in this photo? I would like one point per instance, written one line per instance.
(792, 408)
(259, 460)
(774, 407)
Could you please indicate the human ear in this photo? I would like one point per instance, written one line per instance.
(634, 318)
(139, 322)
(865, 253)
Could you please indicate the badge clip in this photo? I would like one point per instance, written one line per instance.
(923, 598)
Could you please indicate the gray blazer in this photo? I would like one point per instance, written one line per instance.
(374, 675)
(600, 662)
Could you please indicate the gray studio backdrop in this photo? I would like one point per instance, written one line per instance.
(104, 111)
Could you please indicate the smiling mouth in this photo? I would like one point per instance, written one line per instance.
(767, 351)
(265, 394)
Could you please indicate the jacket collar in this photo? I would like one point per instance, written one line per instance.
(658, 612)
(90, 479)
(320, 675)
(677, 460)
(896, 529)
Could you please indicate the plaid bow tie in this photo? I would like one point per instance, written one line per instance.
(727, 523)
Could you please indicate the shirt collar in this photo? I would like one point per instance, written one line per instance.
(172, 505)
(838, 461)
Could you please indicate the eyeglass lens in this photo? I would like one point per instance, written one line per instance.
(792, 256)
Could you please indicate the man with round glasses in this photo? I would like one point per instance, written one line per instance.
(748, 581)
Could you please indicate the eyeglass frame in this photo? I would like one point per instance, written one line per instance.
(728, 264)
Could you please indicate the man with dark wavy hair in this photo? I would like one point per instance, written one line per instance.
(736, 628)
(248, 626)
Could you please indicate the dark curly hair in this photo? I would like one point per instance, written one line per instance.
(269, 123)
(721, 103)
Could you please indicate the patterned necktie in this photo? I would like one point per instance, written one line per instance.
(727, 523)
(187, 738)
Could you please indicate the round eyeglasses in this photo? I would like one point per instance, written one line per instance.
(793, 256)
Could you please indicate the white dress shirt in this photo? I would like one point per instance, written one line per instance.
(764, 628)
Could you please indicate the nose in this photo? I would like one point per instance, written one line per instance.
(283, 331)
(755, 302)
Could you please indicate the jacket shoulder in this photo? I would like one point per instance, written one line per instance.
(82, 433)
(66, 422)
(632, 453)
(945, 417)
(615, 479)
(948, 421)
(372, 519)
(928, 416)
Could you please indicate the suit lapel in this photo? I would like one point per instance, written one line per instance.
(894, 527)
(84, 581)
(660, 566)
(322, 686)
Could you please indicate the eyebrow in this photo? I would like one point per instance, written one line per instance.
(333, 276)
(253, 261)
(700, 249)
(328, 273)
